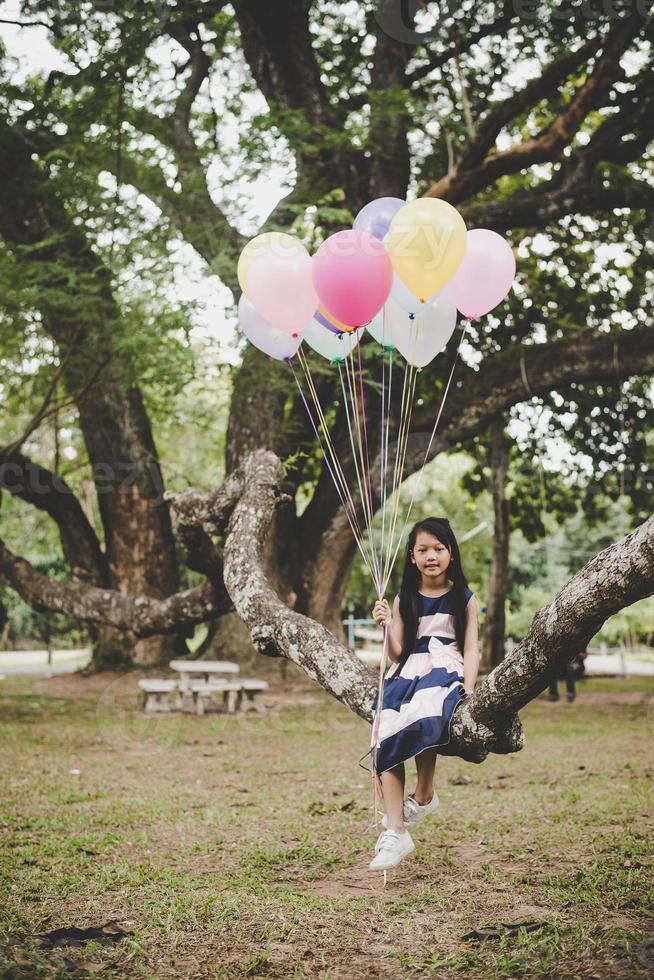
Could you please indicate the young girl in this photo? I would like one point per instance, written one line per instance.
(432, 643)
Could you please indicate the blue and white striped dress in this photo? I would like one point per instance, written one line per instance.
(419, 702)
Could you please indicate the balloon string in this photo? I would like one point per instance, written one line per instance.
(375, 729)
(352, 385)
(351, 378)
(337, 468)
(397, 446)
(422, 468)
(388, 428)
(381, 463)
(323, 423)
(356, 450)
(405, 415)
(367, 472)
(402, 459)
(348, 417)
(352, 519)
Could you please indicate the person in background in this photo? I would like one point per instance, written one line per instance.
(569, 673)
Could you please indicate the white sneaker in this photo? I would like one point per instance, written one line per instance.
(392, 847)
(413, 812)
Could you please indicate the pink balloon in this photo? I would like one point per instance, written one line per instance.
(485, 276)
(353, 275)
(280, 284)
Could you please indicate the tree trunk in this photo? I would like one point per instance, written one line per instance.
(139, 548)
(495, 621)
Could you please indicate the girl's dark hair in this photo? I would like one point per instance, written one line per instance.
(409, 598)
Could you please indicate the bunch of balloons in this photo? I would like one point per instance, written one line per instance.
(402, 272)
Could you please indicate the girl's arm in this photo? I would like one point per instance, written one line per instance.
(395, 639)
(471, 647)
(395, 626)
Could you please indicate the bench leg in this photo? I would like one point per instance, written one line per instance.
(186, 700)
(251, 702)
(232, 701)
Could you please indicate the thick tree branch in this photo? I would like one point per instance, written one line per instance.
(550, 202)
(499, 385)
(197, 517)
(615, 578)
(538, 88)
(549, 144)
(485, 722)
(278, 47)
(141, 615)
(274, 628)
(50, 493)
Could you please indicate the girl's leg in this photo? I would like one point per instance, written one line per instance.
(392, 782)
(425, 767)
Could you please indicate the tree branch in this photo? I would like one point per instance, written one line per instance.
(50, 493)
(550, 202)
(538, 88)
(485, 722)
(273, 627)
(560, 630)
(141, 615)
(498, 26)
(549, 144)
(277, 46)
(499, 385)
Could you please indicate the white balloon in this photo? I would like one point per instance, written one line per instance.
(333, 346)
(389, 324)
(267, 338)
(425, 335)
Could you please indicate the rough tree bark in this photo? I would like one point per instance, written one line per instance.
(495, 618)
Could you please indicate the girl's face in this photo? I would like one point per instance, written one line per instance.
(430, 556)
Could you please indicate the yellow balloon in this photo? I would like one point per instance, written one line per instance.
(255, 247)
(343, 327)
(426, 243)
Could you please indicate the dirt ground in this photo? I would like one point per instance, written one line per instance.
(229, 846)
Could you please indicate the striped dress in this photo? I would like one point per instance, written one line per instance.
(419, 702)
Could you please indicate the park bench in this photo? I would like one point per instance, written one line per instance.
(251, 688)
(159, 695)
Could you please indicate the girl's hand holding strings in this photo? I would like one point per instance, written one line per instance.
(381, 613)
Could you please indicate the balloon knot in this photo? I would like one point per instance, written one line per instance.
(294, 335)
(412, 316)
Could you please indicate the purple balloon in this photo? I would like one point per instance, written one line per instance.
(325, 322)
(375, 218)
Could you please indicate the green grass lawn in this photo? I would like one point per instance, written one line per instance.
(237, 847)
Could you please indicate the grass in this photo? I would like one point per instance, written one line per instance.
(237, 847)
